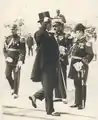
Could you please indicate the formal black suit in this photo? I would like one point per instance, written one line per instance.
(49, 55)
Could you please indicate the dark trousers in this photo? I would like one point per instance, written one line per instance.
(60, 91)
(8, 74)
(13, 81)
(30, 50)
(80, 91)
(39, 94)
(48, 82)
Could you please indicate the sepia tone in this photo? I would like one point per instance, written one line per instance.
(75, 11)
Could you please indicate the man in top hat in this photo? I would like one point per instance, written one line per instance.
(46, 62)
(82, 54)
(14, 52)
(60, 16)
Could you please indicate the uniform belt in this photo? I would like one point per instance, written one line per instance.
(11, 49)
(76, 57)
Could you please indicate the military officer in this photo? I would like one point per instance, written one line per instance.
(14, 52)
(60, 91)
(82, 54)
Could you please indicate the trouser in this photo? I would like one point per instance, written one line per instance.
(13, 81)
(8, 74)
(16, 80)
(30, 49)
(80, 91)
(39, 94)
(48, 83)
(60, 91)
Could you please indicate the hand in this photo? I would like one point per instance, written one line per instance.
(9, 59)
(19, 64)
(62, 50)
(46, 19)
(85, 61)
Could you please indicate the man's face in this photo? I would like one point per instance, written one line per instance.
(49, 25)
(58, 28)
(14, 31)
(79, 34)
(29, 35)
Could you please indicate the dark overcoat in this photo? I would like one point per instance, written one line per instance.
(47, 57)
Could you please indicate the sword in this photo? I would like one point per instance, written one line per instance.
(82, 83)
(62, 77)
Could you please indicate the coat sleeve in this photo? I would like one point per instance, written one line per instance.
(39, 34)
(22, 53)
(89, 53)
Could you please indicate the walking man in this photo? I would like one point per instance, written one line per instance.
(30, 43)
(14, 52)
(48, 52)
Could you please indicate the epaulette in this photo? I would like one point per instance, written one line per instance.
(8, 38)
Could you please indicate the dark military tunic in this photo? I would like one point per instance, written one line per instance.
(60, 91)
(14, 48)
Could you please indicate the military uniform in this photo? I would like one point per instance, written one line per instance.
(60, 91)
(82, 54)
(14, 51)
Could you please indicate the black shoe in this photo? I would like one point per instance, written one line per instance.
(80, 107)
(74, 106)
(54, 114)
(33, 102)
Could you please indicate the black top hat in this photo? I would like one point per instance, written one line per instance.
(79, 27)
(42, 15)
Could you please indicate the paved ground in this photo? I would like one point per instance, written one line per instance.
(21, 108)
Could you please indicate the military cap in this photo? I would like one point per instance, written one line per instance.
(57, 22)
(79, 27)
(14, 27)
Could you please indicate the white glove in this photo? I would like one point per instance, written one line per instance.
(78, 66)
(19, 64)
(9, 59)
(62, 50)
(46, 19)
